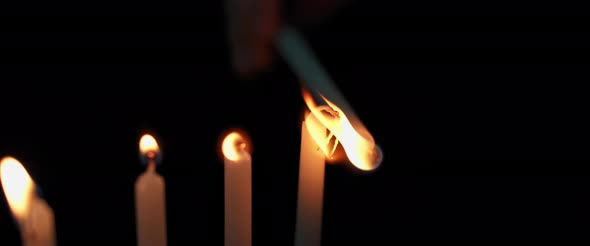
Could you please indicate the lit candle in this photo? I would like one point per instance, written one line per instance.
(332, 113)
(322, 124)
(310, 193)
(32, 214)
(238, 190)
(150, 199)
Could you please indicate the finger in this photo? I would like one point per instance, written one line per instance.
(252, 25)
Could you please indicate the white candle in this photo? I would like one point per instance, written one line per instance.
(334, 114)
(150, 199)
(238, 190)
(311, 184)
(34, 217)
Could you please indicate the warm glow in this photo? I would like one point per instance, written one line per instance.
(319, 134)
(148, 145)
(357, 142)
(18, 186)
(233, 146)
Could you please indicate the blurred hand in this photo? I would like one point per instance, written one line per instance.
(252, 25)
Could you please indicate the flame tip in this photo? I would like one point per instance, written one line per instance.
(148, 144)
(377, 156)
(17, 184)
(6, 159)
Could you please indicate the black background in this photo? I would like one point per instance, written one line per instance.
(480, 111)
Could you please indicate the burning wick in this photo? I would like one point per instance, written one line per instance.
(238, 190)
(149, 150)
(150, 198)
(34, 217)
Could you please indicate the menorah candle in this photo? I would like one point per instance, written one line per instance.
(238, 190)
(322, 124)
(330, 110)
(33, 215)
(150, 199)
(310, 193)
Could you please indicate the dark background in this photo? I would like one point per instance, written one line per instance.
(480, 111)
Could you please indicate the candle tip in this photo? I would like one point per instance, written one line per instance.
(18, 186)
(234, 144)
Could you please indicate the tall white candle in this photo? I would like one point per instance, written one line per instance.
(310, 193)
(150, 199)
(333, 113)
(34, 217)
(238, 190)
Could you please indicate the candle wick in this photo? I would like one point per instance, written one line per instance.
(151, 166)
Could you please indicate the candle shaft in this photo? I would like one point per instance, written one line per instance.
(150, 207)
(38, 228)
(311, 187)
(238, 201)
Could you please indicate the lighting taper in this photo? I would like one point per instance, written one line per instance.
(150, 198)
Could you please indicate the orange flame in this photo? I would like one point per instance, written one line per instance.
(319, 134)
(234, 146)
(148, 146)
(356, 140)
(18, 186)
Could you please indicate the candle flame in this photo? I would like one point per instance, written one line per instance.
(148, 146)
(356, 140)
(18, 186)
(233, 146)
